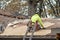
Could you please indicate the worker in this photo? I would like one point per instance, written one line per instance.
(36, 18)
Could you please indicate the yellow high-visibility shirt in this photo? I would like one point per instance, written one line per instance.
(35, 18)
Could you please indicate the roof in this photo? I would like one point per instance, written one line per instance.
(19, 29)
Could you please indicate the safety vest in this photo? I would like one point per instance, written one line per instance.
(35, 18)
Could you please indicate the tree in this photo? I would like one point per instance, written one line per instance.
(32, 7)
(13, 6)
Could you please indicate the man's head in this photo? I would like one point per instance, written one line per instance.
(36, 13)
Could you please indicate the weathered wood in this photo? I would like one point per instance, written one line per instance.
(12, 15)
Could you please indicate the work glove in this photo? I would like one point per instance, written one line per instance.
(43, 28)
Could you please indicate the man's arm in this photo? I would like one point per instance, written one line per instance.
(40, 22)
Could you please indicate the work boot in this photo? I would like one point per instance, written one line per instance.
(30, 28)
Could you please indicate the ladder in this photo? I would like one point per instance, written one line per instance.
(32, 32)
